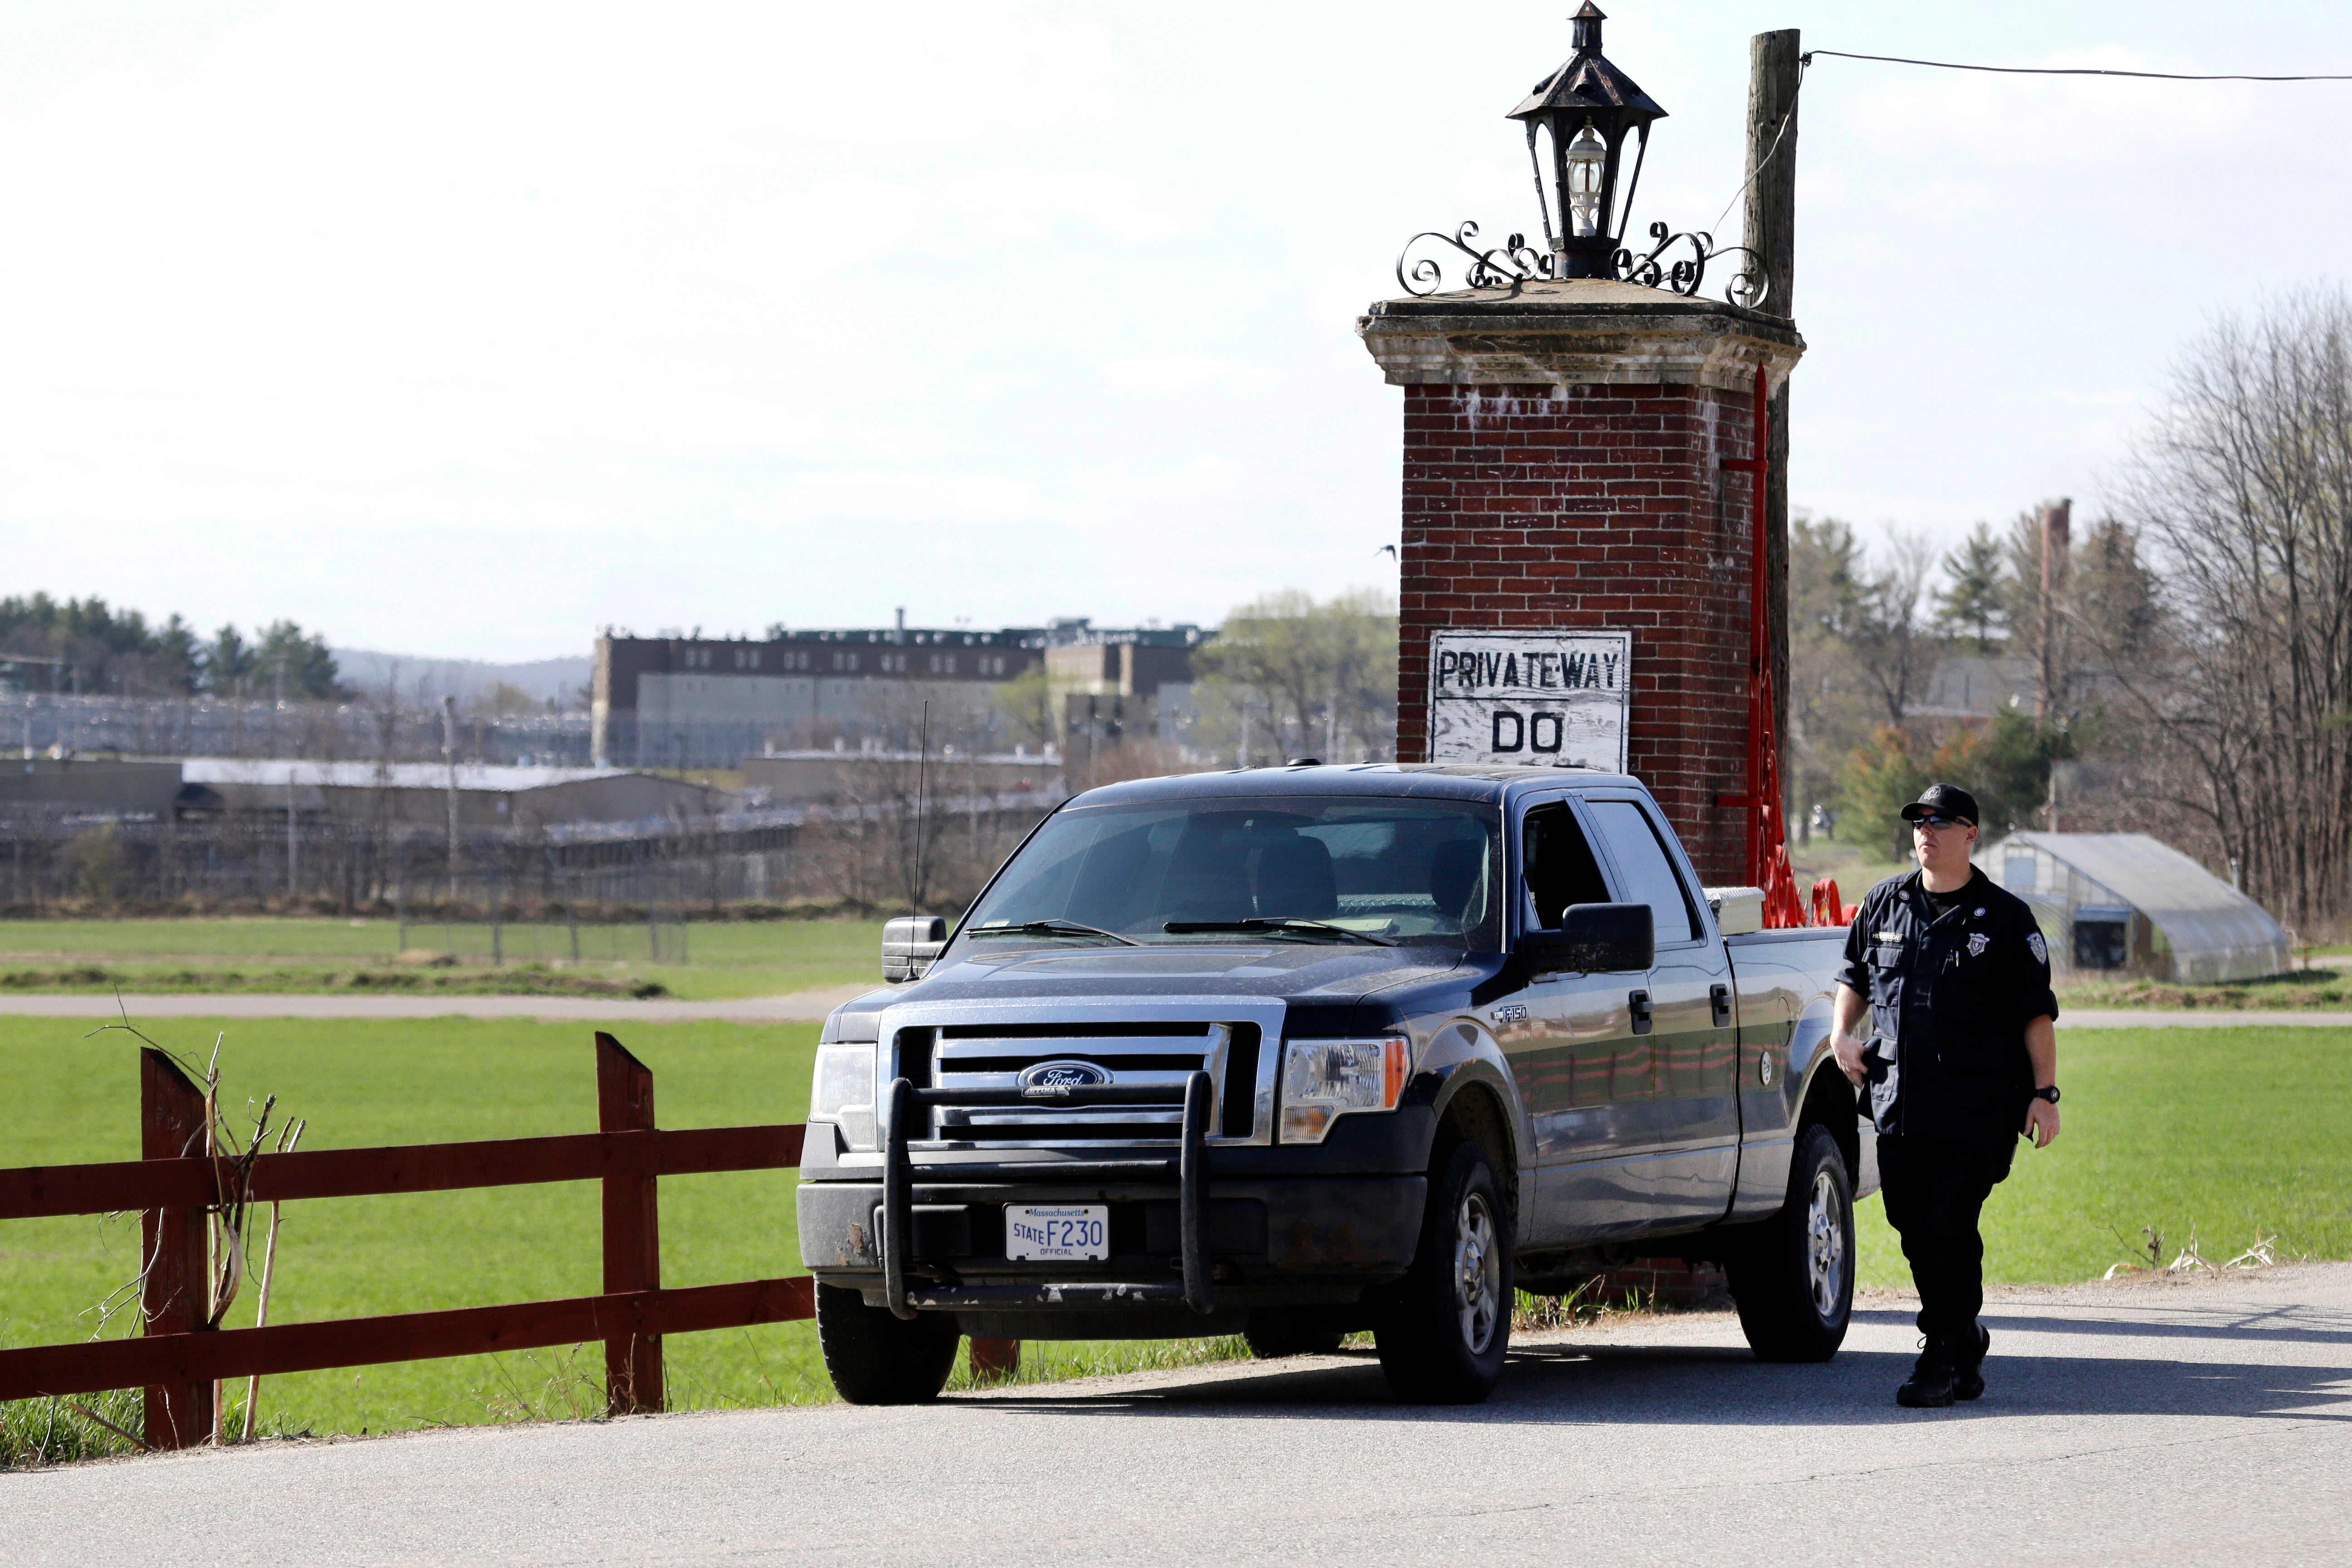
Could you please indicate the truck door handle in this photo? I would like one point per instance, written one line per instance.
(1639, 1002)
(1721, 997)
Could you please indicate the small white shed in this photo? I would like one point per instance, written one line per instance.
(2124, 901)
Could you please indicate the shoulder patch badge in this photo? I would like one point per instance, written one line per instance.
(2041, 949)
(1978, 943)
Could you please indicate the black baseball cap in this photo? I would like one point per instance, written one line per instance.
(1943, 800)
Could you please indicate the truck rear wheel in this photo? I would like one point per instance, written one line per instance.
(1445, 1331)
(874, 1358)
(1793, 1276)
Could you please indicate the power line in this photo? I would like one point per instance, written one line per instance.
(2058, 70)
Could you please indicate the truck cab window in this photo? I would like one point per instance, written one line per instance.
(1642, 865)
(1560, 869)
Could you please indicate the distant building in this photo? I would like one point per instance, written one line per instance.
(1977, 686)
(2125, 902)
(712, 702)
(124, 791)
(417, 794)
(819, 778)
(399, 794)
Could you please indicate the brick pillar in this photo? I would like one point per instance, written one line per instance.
(1563, 451)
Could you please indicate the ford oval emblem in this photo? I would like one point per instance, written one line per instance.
(1063, 1075)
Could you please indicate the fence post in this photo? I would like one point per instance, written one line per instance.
(624, 1103)
(996, 1359)
(176, 1296)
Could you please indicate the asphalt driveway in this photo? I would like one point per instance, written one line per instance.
(2200, 1421)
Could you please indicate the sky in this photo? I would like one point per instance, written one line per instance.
(468, 330)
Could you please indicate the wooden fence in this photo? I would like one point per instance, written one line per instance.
(179, 1359)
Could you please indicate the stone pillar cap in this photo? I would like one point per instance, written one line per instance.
(1576, 331)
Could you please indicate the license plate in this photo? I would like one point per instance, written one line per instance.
(1056, 1232)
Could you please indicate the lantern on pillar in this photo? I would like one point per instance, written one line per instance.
(1588, 110)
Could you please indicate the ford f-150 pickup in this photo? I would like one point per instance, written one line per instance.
(1298, 1052)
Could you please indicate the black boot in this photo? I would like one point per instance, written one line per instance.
(1929, 1386)
(1967, 1367)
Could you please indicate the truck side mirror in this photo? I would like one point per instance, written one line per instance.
(909, 945)
(1594, 938)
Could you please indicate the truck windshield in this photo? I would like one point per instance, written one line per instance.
(1286, 869)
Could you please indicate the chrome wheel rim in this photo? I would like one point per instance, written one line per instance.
(1825, 1246)
(1477, 1273)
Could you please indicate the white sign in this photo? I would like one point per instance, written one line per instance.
(1530, 699)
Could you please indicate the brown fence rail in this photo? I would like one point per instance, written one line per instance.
(179, 1359)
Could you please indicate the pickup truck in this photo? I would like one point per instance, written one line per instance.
(1298, 1052)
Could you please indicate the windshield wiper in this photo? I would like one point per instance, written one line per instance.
(1052, 928)
(1278, 926)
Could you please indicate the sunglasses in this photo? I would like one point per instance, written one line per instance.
(1938, 822)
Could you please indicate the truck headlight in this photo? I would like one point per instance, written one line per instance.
(1322, 1080)
(842, 1092)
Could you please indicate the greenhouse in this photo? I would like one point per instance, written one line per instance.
(2125, 902)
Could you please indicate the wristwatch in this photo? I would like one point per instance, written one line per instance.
(2049, 1093)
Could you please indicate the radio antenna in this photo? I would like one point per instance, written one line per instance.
(922, 761)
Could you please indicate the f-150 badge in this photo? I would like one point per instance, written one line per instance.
(1510, 1013)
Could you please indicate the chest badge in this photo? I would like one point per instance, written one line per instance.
(1978, 943)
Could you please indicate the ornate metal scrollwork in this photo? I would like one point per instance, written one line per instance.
(1684, 275)
(1514, 263)
(1506, 266)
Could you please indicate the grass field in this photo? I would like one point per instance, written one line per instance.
(2226, 1134)
(722, 958)
(2230, 1133)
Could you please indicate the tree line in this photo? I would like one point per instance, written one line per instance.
(2191, 674)
(1286, 676)
(87, 647)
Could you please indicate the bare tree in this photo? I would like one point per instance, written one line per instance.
(1898, 652)
(2244, 481)
(1322, 677)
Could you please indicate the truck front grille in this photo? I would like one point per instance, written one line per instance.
(1158, 1056)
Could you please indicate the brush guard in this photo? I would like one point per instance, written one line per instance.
(902, 1099)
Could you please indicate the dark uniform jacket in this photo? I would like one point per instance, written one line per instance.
(1948, 1005)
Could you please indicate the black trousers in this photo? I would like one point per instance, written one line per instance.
(1935, 1188)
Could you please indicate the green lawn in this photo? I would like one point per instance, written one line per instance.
(2230, 1133)
(2234, 1133)
(76, 1099)
(2328, 989)
(721, 958)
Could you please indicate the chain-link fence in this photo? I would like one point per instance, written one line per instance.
(585, 891)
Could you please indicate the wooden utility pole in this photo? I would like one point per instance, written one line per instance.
(1771, 236)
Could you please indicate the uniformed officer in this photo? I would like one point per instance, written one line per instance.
(1960, 1058)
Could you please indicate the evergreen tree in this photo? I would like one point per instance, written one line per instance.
(1971, 601)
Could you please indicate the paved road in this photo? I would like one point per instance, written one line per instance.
(2172, 1422)
(795, 1007)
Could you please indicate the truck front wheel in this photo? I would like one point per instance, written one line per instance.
(1445, 1331)
(873, 1358)
(1792, 1276)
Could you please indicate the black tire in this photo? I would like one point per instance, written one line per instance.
(1273, 1333)
(874, 1358)
(1445, 1328)
(1792, 1276)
